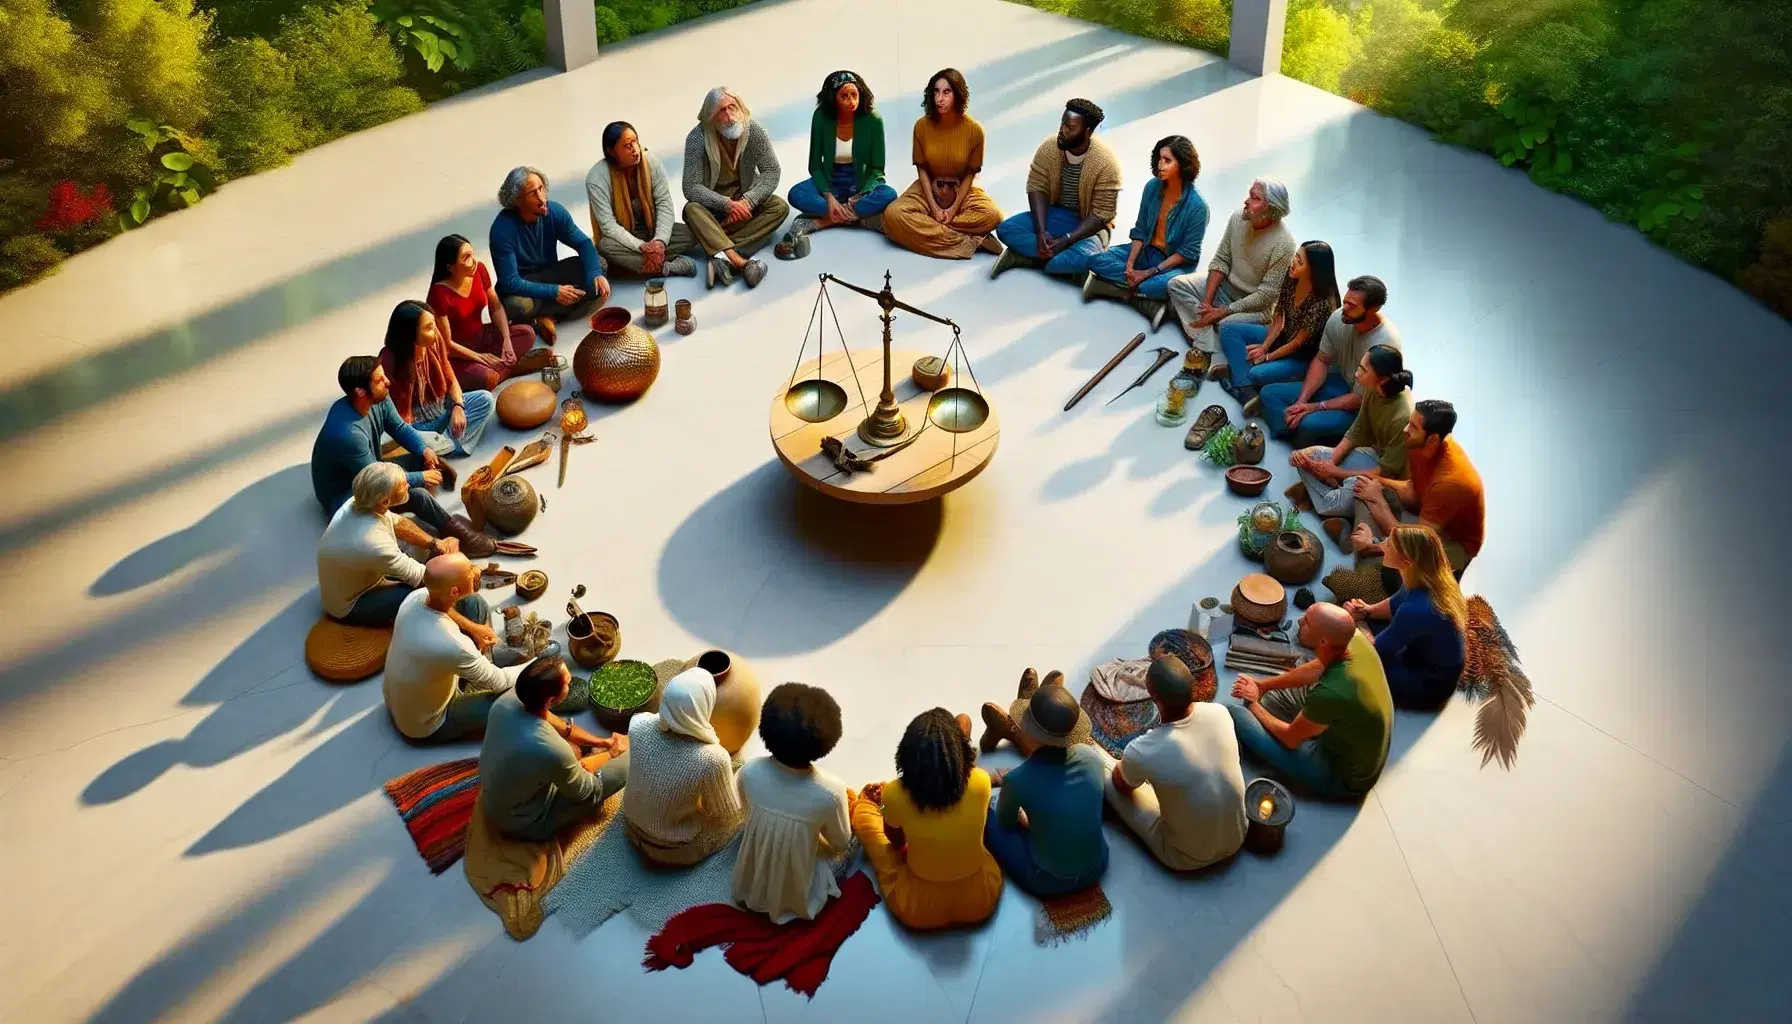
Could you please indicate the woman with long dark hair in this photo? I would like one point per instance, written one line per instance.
(1374, 446)
(424, 388)
(632, 216)
(944, 213)
(923, 830)
(461, 293)
(846, 183)
(1259, 355)
(1166, 238)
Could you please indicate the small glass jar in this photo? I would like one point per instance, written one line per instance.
(686, 324)
(655, 303)
(1172, 408)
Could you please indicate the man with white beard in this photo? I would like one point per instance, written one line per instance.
(731, 184)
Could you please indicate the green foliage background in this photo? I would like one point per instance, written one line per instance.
(1671, 115)
(121, 93)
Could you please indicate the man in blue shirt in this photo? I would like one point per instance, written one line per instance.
(535, 283)
(1045, 826)
(351, 439)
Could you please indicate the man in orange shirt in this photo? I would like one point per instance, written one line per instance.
(1443, 488)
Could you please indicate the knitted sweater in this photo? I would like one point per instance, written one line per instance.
(680, 791)
(357, 553)
(758, 165)
(350, 442)
(1254, 262)
(1098, 193)
(867, 151)
(520, 248)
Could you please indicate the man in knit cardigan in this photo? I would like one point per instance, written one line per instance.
(1245, 276)
(1073, 188)
(731, 184)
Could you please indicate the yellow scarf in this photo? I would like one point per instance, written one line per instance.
(620, 197)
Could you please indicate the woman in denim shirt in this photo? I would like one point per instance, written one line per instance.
(1166, 241)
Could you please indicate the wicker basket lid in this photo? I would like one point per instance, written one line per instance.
(1261, 588)
(341, 653)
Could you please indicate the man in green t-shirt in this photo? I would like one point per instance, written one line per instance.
(1333, 715)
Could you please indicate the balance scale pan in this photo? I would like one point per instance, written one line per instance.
(815, 401)
(958, 410)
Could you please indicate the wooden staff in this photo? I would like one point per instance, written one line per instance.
(1104, 371)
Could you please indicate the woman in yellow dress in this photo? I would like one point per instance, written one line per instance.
(944, 213)
(923, 831)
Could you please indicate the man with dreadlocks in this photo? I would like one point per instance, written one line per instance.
(1073, 189)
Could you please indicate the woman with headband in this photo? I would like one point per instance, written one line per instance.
(846, 183)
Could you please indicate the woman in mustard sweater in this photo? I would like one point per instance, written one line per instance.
(846, 183)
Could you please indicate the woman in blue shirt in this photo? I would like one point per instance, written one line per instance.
(1166, 240)
(1421, 646)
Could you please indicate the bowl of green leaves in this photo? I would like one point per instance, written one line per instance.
(621, 690)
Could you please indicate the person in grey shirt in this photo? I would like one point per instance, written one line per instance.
(533, 781)
(1321, 407)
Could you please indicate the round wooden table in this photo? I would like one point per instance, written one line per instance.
(925, 469)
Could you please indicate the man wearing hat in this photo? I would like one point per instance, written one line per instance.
(1045, 827)
(1178, 786)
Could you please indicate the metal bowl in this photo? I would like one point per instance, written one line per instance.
(958, 410)
(815, 401)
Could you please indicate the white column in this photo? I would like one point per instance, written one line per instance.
(1257, 35)
(572, 32)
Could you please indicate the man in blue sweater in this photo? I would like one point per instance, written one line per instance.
(537, 286)
(351, 439)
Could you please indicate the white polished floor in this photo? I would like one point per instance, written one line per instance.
(191, 826)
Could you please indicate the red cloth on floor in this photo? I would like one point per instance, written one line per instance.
(800, 952)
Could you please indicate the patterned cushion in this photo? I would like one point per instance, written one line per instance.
(341, 653)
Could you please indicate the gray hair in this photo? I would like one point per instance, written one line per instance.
(375, 484)
(1275, 195)
(712, 151)
(513, 185)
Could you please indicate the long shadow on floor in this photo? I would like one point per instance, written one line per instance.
(769, 567)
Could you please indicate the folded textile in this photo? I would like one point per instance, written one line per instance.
(1121, 680)
(613, 878)
(800, 952)
(513, 877)
(436, 803)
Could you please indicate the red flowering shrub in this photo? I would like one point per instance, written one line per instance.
(70, 209)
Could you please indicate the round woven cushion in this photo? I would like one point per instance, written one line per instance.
(346, 654)
(526, 404)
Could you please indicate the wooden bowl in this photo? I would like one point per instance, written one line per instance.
(1247, 481)
(525, 404)
(616, 719)
(531, 584)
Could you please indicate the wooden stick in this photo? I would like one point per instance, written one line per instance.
(1104, 371)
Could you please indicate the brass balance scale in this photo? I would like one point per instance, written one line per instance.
(886, 430)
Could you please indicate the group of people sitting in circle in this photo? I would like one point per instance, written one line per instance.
(1323, 367)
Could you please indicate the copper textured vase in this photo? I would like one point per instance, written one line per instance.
(1293, 556)
(617, 361)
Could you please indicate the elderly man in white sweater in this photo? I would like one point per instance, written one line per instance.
(1245, 278)
(363, 574)
(439, 682)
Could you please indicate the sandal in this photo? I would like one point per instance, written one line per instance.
(1206, 425)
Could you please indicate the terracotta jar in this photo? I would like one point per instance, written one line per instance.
(736, 715)
(617, 361)
(1293, 556)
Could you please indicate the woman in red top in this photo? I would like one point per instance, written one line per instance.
(482, 354)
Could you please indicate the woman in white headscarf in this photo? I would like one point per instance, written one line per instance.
(681, 804)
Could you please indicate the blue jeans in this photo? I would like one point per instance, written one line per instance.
(1017, 233)
(1110, 266)
(1235, 338)
(809, 201)
(1326, 427)
(1013, 850)
(1306, 764)
(478, 407)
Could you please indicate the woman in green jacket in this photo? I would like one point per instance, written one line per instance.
(846, 164)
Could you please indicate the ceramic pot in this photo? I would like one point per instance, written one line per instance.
(525, 404)
(1249, 448)
(511, 505)
(736, 715)
(617, 361)
(594, 638)
(1293, 556)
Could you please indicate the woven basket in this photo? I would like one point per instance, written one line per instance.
(512, 505)
(1258, 600)
(340, 653)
